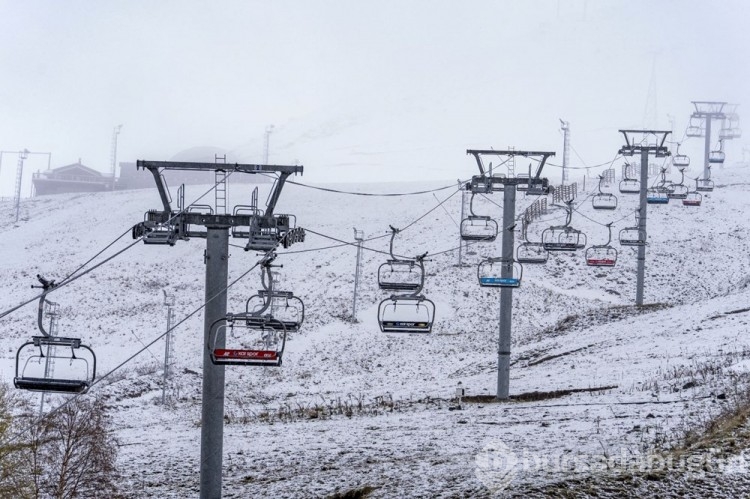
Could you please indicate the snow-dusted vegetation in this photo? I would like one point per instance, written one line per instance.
(353, 409)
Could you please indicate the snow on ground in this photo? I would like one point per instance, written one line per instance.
(352, 407)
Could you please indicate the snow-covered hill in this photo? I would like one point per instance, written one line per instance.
(354, 408)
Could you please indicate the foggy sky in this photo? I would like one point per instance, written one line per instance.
(391, 90)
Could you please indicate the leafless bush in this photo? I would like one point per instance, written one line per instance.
(73, 452)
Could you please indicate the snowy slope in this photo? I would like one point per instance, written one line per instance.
(352, 407)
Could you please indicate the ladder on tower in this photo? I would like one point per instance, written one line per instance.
(221, 186)
(511, 164)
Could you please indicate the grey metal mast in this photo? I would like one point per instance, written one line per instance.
(485, 184)
(630, 148)
(708, 111)
(274, 229)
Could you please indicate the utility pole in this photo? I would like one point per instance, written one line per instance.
(264, 231)
(267, 144)
(565, 126)
(359, 236)
(484, 184)
(113, 154)
(460, 239)
(169, 303)
(631, 147)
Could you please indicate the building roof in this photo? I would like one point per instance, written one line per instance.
(75, 169)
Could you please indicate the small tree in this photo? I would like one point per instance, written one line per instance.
(15, 480)
(75, 452)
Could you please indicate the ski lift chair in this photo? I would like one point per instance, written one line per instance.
(630, 186)
(283, 306)
(256, 342)
(693, 198)
(657, 195)
(716, 157)
(533, 253)
(399, 275)
(563, 238)
(477, 227)
(603, 200)
(704, 185)
(406, 314)
(490, 273)
(602, 255)
(75, 365)
(680, 161)
(632, 236)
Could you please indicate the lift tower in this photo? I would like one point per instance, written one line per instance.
(651, 142)
(486, 184)
(707, 111)
(264, 231)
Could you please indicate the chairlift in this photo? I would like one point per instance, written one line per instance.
(632, 236)
(256, 341)
(563, 237)
(406, 314)
(695, 128)
(480, 184)
(679, 190)
(74, 363)
(716, 157)
(704, 185)
(680, 160)
(603, 200)
(478, 227)
(154, 230)
(660, 193)
(536, 188)
(490, 273)
(630, 186)
(269, 303)
(530, 252)
(400, 274)
(693, 198)
(283, 306)
(602, 255)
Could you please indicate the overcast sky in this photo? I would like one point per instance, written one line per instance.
(392, 90)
